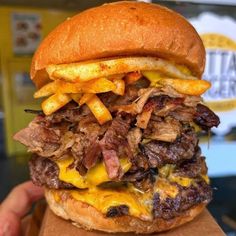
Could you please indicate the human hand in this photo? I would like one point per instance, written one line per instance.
(16, 205)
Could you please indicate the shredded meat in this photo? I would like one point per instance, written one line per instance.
(167, 130)
(39, 138)
(77, 150)
(144, 117)
(150, 127)
(134, 137)
(136, 107)
(92, 155)
(112, 139)
(89, 133)
(206, 118)
(184, 114)
(131, 94)
(160, 153)
(165, 105)
(192, 101)
(112, 163)
(69, 113)
(140, 162)
(162, 106)
(66, 142)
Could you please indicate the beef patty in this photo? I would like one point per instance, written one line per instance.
(44, 172)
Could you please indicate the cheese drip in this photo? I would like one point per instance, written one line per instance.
(94, 176)
(139, 204)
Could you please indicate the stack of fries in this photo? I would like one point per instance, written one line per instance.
(82, 82)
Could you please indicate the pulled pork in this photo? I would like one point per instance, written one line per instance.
(205, 118)
(160, 153)
(113, 139)
(167, 129)
(150, 126)
(39, 139)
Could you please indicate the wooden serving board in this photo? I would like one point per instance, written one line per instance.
(203, 225)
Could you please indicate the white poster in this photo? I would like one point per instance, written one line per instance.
(219, 37)
(26, 32)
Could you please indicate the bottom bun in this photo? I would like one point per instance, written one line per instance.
(86, 216)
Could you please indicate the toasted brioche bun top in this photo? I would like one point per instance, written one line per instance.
(121, 29)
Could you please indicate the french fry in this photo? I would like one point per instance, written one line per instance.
(187, 86)
(85, 98)
(54, 103)
(120, 87)
(82, 72)
(100, 85)
(116, 76)
(46, 90)
(99, 110)
(76, 97)
(132, 77)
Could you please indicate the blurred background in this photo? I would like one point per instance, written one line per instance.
(24, 23)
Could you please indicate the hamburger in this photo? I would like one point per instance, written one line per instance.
(115, 144)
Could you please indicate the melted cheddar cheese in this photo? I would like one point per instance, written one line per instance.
(140, 204)
(183, 181)
(94, 176)
(167, 172)
(206, 179)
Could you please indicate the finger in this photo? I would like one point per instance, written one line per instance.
(9, 224)
(16, 205)
(20, 199)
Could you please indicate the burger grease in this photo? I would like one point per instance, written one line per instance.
(116, 145)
